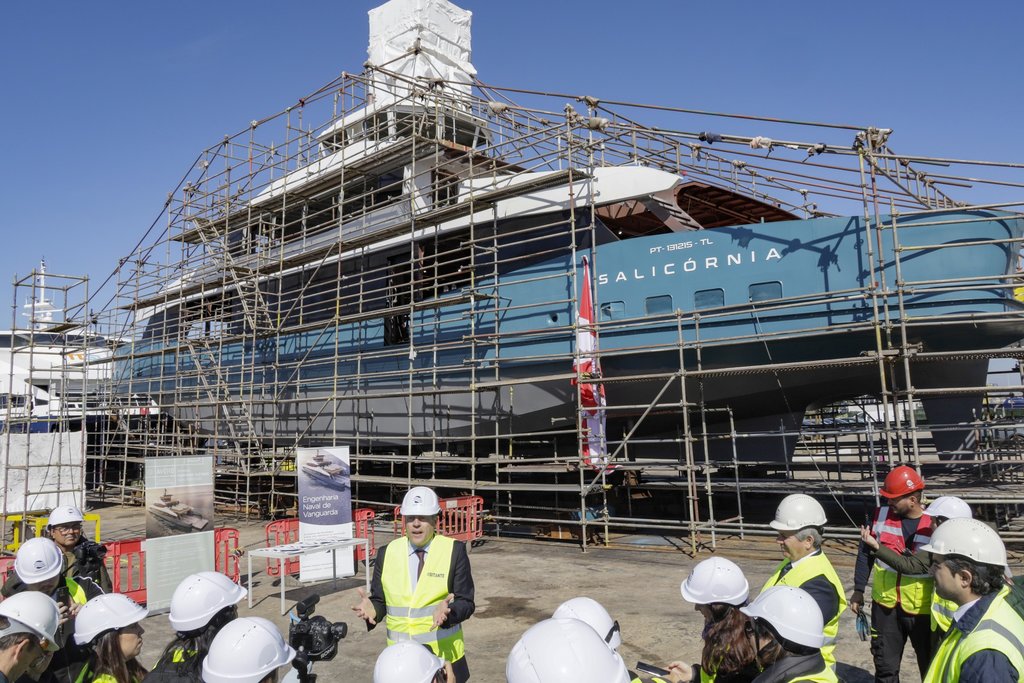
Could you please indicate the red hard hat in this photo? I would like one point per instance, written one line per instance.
(901, 481)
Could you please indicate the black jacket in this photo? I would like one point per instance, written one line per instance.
(792, 666)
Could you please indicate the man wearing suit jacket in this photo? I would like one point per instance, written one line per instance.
(422, 585)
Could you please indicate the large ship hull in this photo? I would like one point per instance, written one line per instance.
(794, 298)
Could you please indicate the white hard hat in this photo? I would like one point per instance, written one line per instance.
(792, 612)
(969, 538)
(716, 579)
(590, 612)
(420, 501)
(798, 511)
(406, 662)
(949, 507)
(38, 559)
(104, 613)
(244, 651)
(65, 514)
(199, 597)
(32, 612)
(563, 651)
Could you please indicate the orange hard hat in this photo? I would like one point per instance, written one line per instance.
(901, 481)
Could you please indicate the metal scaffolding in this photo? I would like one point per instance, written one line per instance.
(309, 288)
(53, 362)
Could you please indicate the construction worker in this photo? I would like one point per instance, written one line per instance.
(941, 509)
(986, 641)
(566, 651)
(900, 603)
(592, 613)
(789, 632)
(247, 650)
(39, 568)
(718, 588)
(109, 624)
(84, 557)
(409, 662)
(800, 521)
(423, 584)
(200, 607)
(28, 635)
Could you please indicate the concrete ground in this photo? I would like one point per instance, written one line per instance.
(520, 582)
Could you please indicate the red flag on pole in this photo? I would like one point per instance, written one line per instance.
(594, 446)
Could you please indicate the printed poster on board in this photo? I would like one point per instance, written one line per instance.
(325, 508)
(179, 523)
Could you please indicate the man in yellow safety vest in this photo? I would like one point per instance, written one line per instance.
(900, 603)
(422, 585)
(941, 509)
(800, 521)
(986, 640)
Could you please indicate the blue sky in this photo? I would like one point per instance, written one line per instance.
(106, 104)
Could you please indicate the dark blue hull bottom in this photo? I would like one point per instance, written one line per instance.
(766, 397)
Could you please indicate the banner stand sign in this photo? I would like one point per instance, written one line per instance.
(179, 524)
(325, 508)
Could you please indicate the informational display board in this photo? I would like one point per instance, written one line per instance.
(179, 523)
(325, 508)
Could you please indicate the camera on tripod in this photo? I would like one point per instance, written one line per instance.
(314, 638)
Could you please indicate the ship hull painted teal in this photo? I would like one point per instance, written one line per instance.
(816, 288)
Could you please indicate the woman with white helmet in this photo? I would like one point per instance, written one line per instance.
(110, 625)
(84, 558)
(201, 606)
(247, 650)
(718, 588)
(788, 632)
(410, 662)
(940, 510)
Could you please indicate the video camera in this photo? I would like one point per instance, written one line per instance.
(314, 638)
(89, 556)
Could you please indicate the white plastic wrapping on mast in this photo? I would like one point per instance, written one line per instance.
(442, 32)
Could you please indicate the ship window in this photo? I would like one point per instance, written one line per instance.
(658, 305)
(763, 291)
(389, 186)
(613, 310)
(708, 298)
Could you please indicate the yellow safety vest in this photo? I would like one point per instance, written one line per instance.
(942, 613)
(809, 568)
(826, 675)
(410, 615)
(913, 592)
(1000, 629)
(86, 676)
(76, 591)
